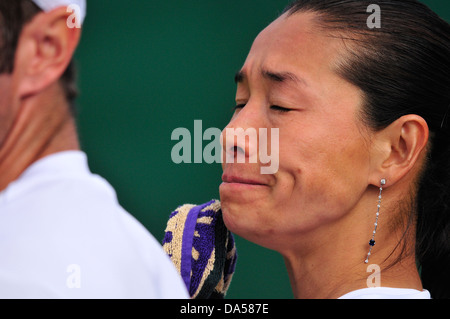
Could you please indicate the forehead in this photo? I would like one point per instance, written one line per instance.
(294, 43)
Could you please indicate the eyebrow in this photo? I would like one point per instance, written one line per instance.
(279, 77)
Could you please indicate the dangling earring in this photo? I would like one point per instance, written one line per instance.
(372, 241)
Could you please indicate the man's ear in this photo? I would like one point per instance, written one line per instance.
(398, 149)
(45, 48)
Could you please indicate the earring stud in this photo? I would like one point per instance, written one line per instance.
(372, 240)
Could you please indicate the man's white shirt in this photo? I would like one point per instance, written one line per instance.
(63, 234)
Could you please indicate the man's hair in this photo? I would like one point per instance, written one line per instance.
(14, 15)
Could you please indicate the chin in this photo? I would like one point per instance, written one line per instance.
(231, 217)
(247, 222)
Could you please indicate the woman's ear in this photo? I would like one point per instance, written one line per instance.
(398, 148)
(45, 48)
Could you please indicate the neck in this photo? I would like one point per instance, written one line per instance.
(330, 279)
(43, 126)
(325, 266)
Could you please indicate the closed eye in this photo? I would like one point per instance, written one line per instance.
(273, 107)
(279, 108)
(239, 106)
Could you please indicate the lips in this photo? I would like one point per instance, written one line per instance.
(236, 179)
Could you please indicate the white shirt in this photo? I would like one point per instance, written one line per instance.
(387, 293)
(63, 234)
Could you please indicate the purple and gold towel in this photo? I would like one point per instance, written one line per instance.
(201, 248)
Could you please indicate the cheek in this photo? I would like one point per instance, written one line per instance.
(325, 175)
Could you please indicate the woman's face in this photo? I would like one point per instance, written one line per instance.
(289, 82)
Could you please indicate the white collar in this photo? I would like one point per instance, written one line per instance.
(72, 163)
(67, 162)
(387, 293)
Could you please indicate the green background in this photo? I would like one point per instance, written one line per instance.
(148, 67)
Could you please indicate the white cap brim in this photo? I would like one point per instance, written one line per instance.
(48, 5)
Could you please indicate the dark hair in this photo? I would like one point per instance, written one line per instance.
(403, 68)
(14, 15)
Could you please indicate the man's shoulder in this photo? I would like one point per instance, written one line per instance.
(70, 204)
(52, 222)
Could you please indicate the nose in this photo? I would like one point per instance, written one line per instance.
(240, 136)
